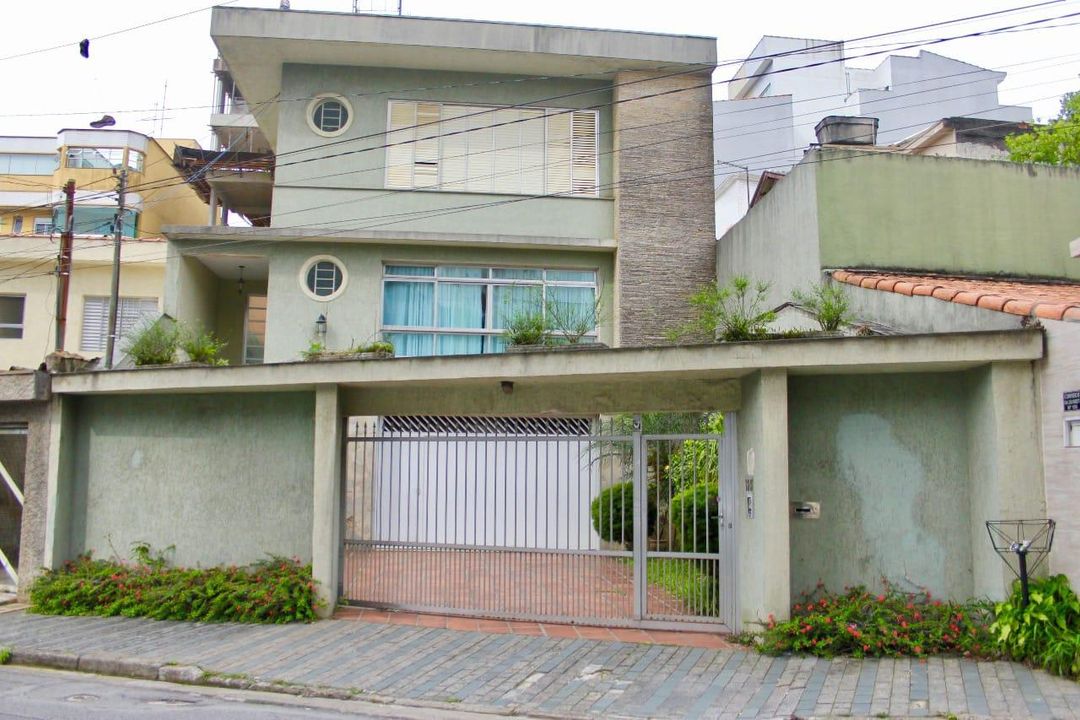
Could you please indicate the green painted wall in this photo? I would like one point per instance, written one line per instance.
(354, 316)
(899, 211)
(224, 478)
(887, 458)
(359, 159)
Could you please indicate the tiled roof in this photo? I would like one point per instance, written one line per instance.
(1051, 301)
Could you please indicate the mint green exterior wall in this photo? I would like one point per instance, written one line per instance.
(887, 458)
(347, 190)
(948, 214)
(194, 471)
(354, 316)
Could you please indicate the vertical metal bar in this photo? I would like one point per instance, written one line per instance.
(640, 488)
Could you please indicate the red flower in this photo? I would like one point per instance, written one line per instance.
(865, 648)
(881, 598)
(918, 650)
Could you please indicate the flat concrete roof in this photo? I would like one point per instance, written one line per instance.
(220, 233)
(576, 381)
(256, 43)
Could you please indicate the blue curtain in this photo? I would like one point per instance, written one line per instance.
(409, 304)
(461, 306)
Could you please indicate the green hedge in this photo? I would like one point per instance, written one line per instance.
(613, 514)
(278, 590)
(695, 518)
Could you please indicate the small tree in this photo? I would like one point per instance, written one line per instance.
(828, 303)
(528, 327)
(1056, 143)
(573, 321)
(734, 312)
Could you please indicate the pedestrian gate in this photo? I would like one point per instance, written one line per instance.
(540, 519)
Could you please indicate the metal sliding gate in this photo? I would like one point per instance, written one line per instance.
(560, 519)
(12, 470)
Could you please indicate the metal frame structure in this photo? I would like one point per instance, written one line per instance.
(9, 486)
(556, 519)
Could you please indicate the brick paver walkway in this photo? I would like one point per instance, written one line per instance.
(571, 677)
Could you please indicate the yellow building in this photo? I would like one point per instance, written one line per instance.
(33, 171)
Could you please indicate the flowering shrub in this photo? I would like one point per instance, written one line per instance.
(888, 624)
(278, 590)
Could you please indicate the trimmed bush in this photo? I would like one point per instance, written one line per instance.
(1045, 633)
(889, 624)
(695, 518)
(613, 514)
(277, 590)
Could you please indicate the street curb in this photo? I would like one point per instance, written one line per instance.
(143, 669)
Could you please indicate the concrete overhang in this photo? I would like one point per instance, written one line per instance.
(217, 234)
(256, 43)
(621, 379)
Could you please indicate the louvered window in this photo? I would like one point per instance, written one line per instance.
(95, 328)
(523, 151)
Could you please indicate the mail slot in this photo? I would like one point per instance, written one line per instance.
(806, 510)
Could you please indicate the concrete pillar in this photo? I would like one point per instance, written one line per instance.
(326, 502)
(213, 203)
(1006, 481)
(763, 578)
(56, 543)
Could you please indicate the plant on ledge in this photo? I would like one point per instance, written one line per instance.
(202, 347)
(154, 343)
(276, 590)
(828, 303)
(356, 351)
(528, 328)
(731, 313)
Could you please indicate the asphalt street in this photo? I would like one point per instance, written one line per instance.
(39, 694)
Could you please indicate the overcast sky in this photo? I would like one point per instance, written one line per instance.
(127, 73)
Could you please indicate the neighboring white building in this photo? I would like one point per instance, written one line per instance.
(787, 85)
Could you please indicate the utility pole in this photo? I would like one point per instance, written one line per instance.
(63, 270)
(114, 297)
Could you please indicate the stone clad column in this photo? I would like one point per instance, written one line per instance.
(662, 171)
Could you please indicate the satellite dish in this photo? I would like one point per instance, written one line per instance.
(105, 121)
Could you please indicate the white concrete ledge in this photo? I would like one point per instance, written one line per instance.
(215, 234)
(812, 356)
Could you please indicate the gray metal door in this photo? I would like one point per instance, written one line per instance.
(539, 519)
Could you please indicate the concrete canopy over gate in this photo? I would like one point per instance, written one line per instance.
(994, 465)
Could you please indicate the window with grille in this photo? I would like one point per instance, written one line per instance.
(471, 148)
(95, 328)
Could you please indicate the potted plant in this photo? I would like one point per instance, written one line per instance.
(732, 313)
(378, 350)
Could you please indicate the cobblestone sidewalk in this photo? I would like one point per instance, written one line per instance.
(563, 677)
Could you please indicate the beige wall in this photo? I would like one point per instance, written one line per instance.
(91, 277)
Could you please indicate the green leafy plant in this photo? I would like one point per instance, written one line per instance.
(828, 303)
(202, 347)
(1057, 142)
(527, 328)
(695, 582)
(734, 312)
(5, 655)
(276, 590)
(612, 513)
(1046, 632)
(890, 623)
(154, 343)
(315, 350)
(379, 346)
(695, 518)
(696, 460)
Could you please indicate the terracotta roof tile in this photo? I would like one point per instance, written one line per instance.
(1049, 300)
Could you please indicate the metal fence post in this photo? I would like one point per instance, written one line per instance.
(641, 488)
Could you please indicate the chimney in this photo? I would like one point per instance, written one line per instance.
(846, 130)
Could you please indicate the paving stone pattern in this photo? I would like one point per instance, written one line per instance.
(563, 676)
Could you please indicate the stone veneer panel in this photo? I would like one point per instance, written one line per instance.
(663, 201)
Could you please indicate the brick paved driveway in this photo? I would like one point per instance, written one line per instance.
(568, 677)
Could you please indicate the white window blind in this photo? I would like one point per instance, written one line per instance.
(95, 328)
(527, 151)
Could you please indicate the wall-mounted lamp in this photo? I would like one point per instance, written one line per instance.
(320, 326)
(240, 282)
(507, 386)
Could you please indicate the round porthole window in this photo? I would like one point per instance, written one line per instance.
(329, 115)
(323, 277)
